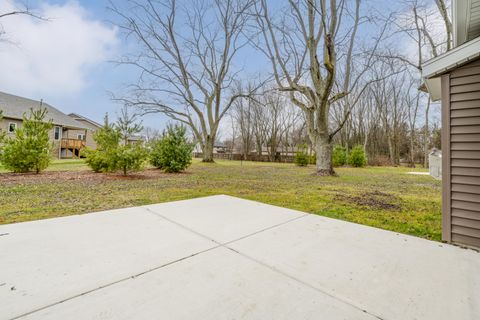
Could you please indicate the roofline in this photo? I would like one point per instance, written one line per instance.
(55, 124)
(85, 118)
(451, 59)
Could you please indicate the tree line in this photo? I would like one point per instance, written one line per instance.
(336, 74)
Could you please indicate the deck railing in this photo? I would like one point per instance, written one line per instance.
(73, 143)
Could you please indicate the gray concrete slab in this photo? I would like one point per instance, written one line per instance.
(46, 261)
(218, 284)
(391, 275)
(224, 218)
(225, 258)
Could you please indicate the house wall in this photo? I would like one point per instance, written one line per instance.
(90, 143)
(461, 154)
(4, 123)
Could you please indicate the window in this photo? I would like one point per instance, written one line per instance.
(12, 127)
(81, 136)
(56, 133)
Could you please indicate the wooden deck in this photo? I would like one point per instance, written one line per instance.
(75, 144)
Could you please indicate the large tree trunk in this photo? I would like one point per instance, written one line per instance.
(259, 147)
(391, 150)
(208, 150)
(323, 149)
(412, 150)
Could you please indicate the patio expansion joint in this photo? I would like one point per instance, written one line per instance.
(265, 265)
(113, 283)
(216, 246)
(218, 242)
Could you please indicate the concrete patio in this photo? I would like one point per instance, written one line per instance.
(225, 258)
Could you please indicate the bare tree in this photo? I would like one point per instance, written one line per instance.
(304, 50)
(23, 10)
(189, 65)
(412, 101)
(243, 115)
(415, 24)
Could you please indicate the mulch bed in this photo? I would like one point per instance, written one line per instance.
(84, 176)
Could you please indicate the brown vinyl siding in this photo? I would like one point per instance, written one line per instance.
(461, 149)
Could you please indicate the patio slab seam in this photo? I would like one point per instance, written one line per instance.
(227, 242)
(218, 244)
(301, 282)
(114, 283)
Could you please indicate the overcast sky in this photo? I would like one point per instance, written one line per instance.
(66, 61)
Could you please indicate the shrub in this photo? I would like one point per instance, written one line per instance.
(172, 152)
(339, 156)
(301, 159)
(104, 158)
(357, 157)
(30, 149)
(111, 155)
(98, 161)
(131, 157)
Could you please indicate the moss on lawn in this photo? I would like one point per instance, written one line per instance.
(384, 197)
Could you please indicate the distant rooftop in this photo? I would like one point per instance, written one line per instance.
(15, 107)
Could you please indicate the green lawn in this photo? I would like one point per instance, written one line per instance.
(383, 197)
(62, 165)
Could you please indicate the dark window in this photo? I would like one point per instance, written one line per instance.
(56, 133)
(12, 127)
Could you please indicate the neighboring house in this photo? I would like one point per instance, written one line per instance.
(454, 78)
(64, 135)
(93, 126)
(217, 148)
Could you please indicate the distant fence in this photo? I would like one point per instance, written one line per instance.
(250, 157)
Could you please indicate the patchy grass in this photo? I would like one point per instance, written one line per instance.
(62, 165)
(383, 197)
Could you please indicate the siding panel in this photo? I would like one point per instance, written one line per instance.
(465, 113)
(468, 197)
(466, 154)
(465, 80)
(462, 72)
(472, 215)
(466, 180)
(472, 87)
(464, 205)
(465, 129)
(466, 146)
(458, 171)
(461, 147)
(465, 96)
(465, 121)
(471, 241)
(466, 188)
(462, 222)
(471, 232)
(473, 137)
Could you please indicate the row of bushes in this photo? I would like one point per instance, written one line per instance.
(356, 157)
(171, 152)
(31, 149)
